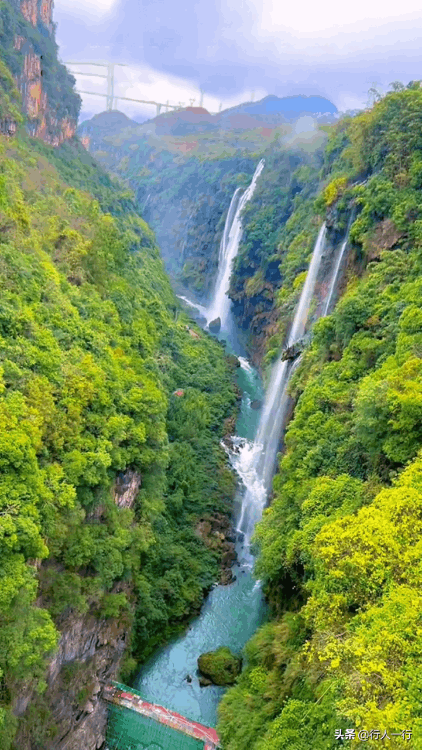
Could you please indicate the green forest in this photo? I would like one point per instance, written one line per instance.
(105, 380)
(93, 346)
(340, 545)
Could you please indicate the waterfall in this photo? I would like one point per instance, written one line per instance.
(201, 309)
(229, 246)
(256, 462)
(220, 304)
(334, 279)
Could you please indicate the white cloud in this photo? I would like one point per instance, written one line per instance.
(83, 8)
(347, 101)
(311, 17)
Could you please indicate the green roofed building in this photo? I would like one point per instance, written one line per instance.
(135, 724)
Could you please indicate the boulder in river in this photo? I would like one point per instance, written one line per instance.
(257, 404)
(220, 666)
(215, 325)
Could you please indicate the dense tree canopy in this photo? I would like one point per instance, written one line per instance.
(93, 346)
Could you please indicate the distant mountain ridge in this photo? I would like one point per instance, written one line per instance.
(272, 110)
(289, 107)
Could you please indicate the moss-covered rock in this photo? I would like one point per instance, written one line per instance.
(220, 666)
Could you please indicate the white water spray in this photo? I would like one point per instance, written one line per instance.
(220, 304)
(261, 456)
(334, 278)
(229, 246)
(201, 309)
(246, 365)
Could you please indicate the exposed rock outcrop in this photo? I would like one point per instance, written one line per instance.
(217, 534)
(89, 654)
(44, 122)
(215, 325)
(126, 488)
(384, 237)
(291, 352)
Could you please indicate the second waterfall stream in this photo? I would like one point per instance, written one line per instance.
(232, 613)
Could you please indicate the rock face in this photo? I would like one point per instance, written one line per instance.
(291, 352)
(43, 121)
(126, 488)
(89, 655)
(217, 534)
(215, 325)
(220, 667)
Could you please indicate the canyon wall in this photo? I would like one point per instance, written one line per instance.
(72, 714)
(48, 99)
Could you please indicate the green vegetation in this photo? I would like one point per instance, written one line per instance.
(220, 666)
(266, 266)
(9, 96)
(184, 184)
(340, 546)
(92, 348)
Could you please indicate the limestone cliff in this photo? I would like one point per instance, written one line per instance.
(27, 45)
(72, 713)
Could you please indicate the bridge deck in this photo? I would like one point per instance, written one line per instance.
(125, 697)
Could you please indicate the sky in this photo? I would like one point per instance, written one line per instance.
(236, 50)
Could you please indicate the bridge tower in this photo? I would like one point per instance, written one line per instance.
(109, 77)
(111, 96)
(110, 87)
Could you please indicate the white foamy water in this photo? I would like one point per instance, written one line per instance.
(229, 246)
(336, 272)
(220, 304)
(260, 458)
(200, 308)
(246, 365)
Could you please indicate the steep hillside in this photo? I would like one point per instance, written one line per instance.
(28, 52)
(112, 408)
(340, 546)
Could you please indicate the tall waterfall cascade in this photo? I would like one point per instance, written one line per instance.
(255, 463)
(337, 268)
(231, 614)
(229, 246)
(220, 305)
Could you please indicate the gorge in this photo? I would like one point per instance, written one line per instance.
(231, 615)
(134, 433)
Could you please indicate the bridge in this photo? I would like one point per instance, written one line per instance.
(112, 98)
(135, 724)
